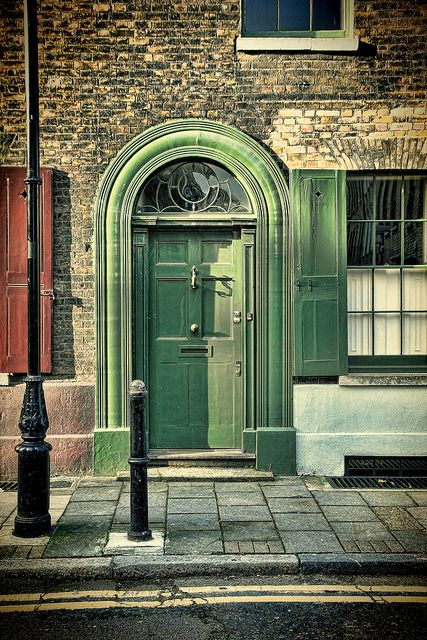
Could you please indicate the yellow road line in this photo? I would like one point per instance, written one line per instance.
(302, 588)
(226, 589)
(209, 600)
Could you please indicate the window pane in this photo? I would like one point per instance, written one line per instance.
(387, 290)
(415, 198)
(414, 290)
(387, 243)
(359, 243)
(260, 15)
(414, 334)
(360, 334)
(359, 289)
(388, 198)
(415, 243)
(387, 334)
(326, 14)
(294, 16)
(360, 197)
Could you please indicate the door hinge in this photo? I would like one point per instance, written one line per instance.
(48, 293)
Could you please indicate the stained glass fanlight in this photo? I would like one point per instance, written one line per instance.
(193, 186)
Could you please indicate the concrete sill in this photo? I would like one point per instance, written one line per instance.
(383, 380)
(297, 44)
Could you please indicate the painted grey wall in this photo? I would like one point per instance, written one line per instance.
(333, 421)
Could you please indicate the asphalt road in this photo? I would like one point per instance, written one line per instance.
(261, 609)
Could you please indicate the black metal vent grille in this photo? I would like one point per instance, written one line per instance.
(386, 466)
(8, 486)
(376, 482)
(12, 485)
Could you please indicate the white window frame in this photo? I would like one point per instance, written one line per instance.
(342, 40)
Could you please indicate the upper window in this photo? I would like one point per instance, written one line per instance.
(303, 24)
(290, 17)
(387, 275)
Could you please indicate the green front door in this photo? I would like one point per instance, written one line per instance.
(195, 339)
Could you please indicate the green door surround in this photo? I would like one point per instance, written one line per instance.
(274, 437)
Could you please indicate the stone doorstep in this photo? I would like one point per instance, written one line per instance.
(118, 544)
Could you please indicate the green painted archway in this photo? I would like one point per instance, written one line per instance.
(274, 439)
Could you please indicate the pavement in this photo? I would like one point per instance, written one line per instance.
(206, 523)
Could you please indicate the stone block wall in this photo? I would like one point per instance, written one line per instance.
(110, 70)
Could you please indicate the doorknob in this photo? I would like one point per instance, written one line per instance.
(194, 273)
(194, 328)
(238, 368)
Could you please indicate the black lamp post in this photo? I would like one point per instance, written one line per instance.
(33, 517)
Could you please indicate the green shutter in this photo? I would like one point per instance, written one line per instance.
(318, 209)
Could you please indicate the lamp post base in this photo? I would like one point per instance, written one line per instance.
(32, 527)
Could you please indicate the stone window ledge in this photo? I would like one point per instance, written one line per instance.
(297, 44)
(384, 380)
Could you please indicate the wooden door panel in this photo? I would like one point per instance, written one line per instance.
(193, 370)
(13, 270)
(217, 310)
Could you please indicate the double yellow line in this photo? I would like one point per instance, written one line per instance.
(211, 595)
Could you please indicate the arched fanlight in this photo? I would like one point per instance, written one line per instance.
(193, 186)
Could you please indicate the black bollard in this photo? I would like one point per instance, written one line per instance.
(139, 530)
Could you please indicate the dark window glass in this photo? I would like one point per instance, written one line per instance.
(414, 200)
(359, 243)
(294, 15)
(387, 243)
(388, 196)
(360, 196)
(260, 15)
(326, 14)
(415, 243)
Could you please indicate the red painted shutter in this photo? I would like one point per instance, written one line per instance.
(13, 271)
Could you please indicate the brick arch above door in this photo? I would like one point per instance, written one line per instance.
(266, 186)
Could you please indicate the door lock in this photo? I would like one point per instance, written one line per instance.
(238, 368)
(237, 317)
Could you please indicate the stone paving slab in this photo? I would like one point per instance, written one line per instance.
(412, 541)
(361, 531)
(7, 538)
(157, 499)
(301, 522)
(240, 498)
(157, 515)
(384, 498)
(94, 508)
(67, 543)
(397, 518)
(236, 513)
(310, 542)
(205, 490)
(334, 498)
(193, 542)
(349, 514)
(420, 513)
(193, 522)
(293, 505)
(192, 505)
(91, 494)
(86, 522)
(419, 497)
(238, 531)
(286, 491)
